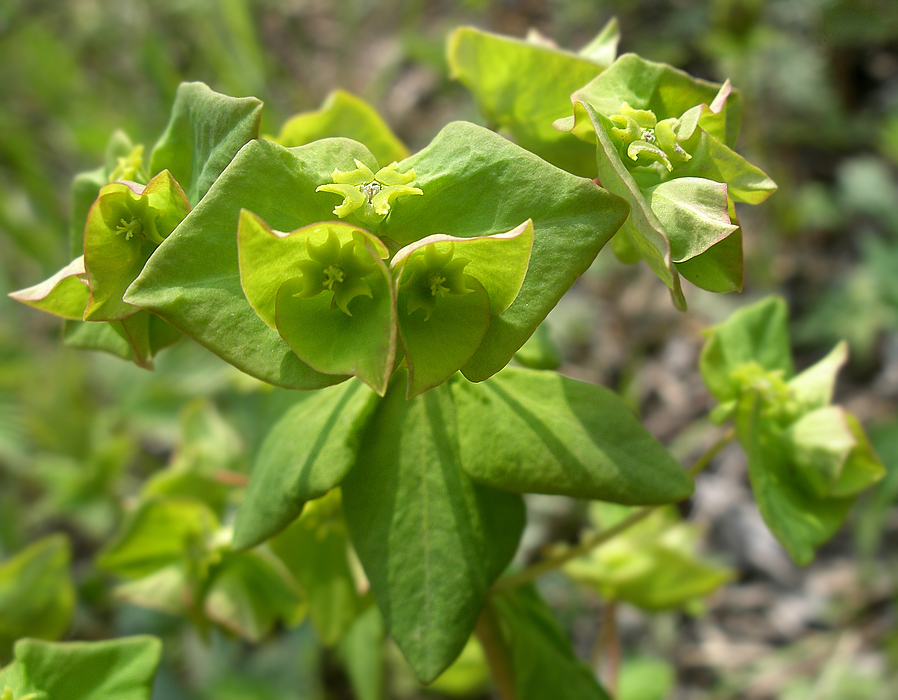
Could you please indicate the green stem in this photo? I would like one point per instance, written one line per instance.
(609, 648)
(496, 652)
(599, 538)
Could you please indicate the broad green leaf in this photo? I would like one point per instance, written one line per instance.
(449, 288)
(344, 114)
(720, 268)
(37, 597)
(603, 48)
(543, 661)
(653, 565)
(117, 669)
(85, 190)
(475, 184)
(176, 483)
(713, 160)
(814, 387)
(159, 533)
(818, 444)
(105, 337)
(193, 280)
(124, 226)
(138, 338)
(307, 453)
(250, 592)
(315, 549)
(165, 590)
(797, 519)
(539, 352)
(528, 431)
(437, 346)
(758, 333)
(205, 131)
(468, 675)
(522, 87)
(863, 468)
(430, 540)
(64, 294)
(694, 213)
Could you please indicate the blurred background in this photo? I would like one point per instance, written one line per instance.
(80, 432)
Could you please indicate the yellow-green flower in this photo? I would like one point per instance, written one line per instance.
(643, 135)
(367, 194)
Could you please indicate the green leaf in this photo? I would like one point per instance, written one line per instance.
(165, 590)
(437, 346)
(863, 468)
(522, 87)
(85, 190)
(603, 48)
(205, 131)
(124, 226)
(475, 184)
(814, 387)
(653, 565)
(64, 294)
(797, 519)
(307, 453)
(458, 284)
(819, 443)
(430, 540)
(757, 333)
(694, 213)
(542, 658)
(315, 549)
(158, 534)
(250, 592)
(713, 160)
(540, 351)
(37, 597)
(193, 278)
(344, 114)
(117, 669)
(105, 337)
(528, 431)
(720, 268)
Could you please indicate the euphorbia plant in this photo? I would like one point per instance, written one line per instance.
(398, 288)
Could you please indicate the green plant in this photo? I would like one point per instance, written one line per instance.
(397, 293)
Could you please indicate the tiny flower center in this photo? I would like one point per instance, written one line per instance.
(129, 228)
(370, 189)
(332, 275)
(437, 285)
(648, 135)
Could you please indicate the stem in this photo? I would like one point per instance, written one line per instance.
(608, 648)
(496, 651)
(599, 538)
